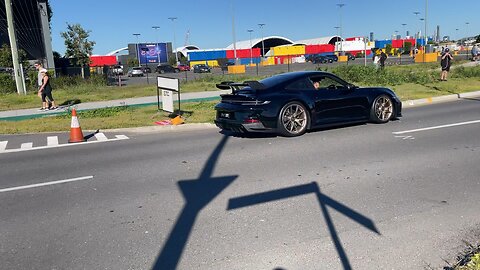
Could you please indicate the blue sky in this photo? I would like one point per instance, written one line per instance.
(112, 22)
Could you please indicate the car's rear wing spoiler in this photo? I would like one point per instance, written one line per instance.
(237, 86)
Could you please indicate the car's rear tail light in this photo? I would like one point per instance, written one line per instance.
(251, 121)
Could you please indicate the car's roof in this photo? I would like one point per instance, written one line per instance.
(285, 77)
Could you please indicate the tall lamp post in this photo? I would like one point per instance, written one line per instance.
(403, 41)
(340, 11)
(426, 36)
(417, 35)
(136, 48)
(336, 28)
(158, 52)
(250, 32)
(174, 42)
(466, 37)
(261, 25)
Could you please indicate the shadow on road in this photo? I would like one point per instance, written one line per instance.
(324, 202)
(197, 193)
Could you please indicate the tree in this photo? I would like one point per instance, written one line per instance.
(388, 49)
(478, 39)
(6, 56)
(79, 48)
(408, 47)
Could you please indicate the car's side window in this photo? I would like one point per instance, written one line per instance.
(301, 84)
(328, 83)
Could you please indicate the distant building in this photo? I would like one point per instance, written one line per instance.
(437, 38)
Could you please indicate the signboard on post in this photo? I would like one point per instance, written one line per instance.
(168, 86)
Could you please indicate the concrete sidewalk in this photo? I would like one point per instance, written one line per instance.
(151, 100)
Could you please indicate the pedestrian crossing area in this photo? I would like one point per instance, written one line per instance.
(54, 141)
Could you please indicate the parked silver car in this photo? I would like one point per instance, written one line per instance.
(135, 71)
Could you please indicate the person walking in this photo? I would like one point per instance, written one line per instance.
(45, 91)
(475, 52)
(445, 63)
(39, 67)
(383, 57)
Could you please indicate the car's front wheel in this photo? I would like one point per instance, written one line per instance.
(293, 119)
(382, 109)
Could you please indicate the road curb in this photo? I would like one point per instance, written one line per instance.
(169, 128)
(440, 99)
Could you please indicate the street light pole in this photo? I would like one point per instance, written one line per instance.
(261, 25)
(466, 37)
(426, 36)
(250, 31)
(233, 35)
(174, 42)
(341, 42)
(417, 35)
(136, 49)
(158, 52)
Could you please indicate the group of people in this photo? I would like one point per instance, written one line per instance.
(44, 88)
(379, 59)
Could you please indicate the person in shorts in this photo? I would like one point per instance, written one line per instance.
(445, 63)
(45, 91)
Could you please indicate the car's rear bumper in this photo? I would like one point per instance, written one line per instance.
(240, 127)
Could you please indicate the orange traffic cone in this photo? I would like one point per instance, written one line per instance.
(76, 134)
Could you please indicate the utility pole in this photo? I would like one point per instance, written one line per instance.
(250, 31)
(136, 48)
(42, 6)
(233, 34)
(158, 52)
(261, 25)
(174, 37)
(341, 30)
(13, 45)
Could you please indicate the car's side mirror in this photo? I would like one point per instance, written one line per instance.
(350, 87)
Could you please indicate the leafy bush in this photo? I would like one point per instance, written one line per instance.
(369, 75)
(462, 72)
(7, 84)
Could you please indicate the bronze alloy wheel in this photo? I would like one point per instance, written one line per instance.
(293, 119)
(383, 109)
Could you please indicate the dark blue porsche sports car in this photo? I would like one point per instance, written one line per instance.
(292, 103)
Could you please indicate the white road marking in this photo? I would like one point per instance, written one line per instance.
(27, 145)
(52, 140)
(101, 137)
(3, 145)
(47, 183)
(118, 138)
(437, 127)
(406, 137)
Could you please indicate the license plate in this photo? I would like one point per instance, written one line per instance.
(225, 115)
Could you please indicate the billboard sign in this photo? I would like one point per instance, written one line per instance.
(152, 53)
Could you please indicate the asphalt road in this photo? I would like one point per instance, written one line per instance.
(391, 196)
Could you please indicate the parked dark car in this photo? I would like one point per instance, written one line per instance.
(321, 59)
(332, 58)
(166, 69)
(289, 104)
(226, 65)
(201, 68)
(351, 57)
